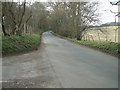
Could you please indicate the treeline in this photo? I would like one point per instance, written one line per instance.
(22, 26)
(70, 19)
(23, 17)
(111, 24)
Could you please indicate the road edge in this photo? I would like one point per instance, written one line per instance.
(88, 46)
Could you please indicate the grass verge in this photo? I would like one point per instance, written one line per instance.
(108, 47)
(17, 44)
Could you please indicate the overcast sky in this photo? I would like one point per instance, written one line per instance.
(104, 9)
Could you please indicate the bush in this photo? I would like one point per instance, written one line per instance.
(16, 44)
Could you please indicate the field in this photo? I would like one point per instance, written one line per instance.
(104, 34)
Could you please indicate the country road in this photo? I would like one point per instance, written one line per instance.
(61, 63)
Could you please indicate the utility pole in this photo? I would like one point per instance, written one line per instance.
(117, 13)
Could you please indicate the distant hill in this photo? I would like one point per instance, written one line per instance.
(111, 24)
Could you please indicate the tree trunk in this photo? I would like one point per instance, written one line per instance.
(3, 29)
(13, 31)
(78, 22)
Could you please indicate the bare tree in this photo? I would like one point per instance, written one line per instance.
(14, 13)
(73, 18)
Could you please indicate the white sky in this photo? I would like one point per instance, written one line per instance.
(105, 16)
(104, 10)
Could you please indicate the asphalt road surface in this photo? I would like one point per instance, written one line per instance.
(61, 63)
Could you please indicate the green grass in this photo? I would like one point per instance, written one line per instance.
(17, 44)
(110, 47)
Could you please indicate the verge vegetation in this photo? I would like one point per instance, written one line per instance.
(17, 44)
(108, 47)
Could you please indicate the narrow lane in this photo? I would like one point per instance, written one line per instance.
(60, 63)
(79, 66)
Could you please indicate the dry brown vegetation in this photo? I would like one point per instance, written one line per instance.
(106, 33)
